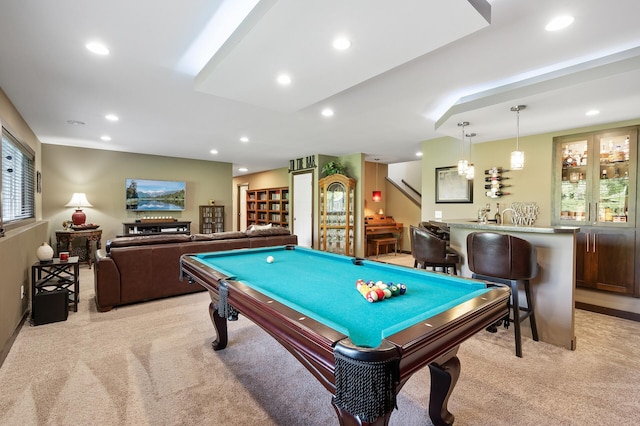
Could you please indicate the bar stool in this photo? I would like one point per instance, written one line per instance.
(430, 251)
(506, 259)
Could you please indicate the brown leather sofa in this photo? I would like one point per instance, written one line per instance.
(140, 268)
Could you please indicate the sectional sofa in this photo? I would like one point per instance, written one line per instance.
(140, 268)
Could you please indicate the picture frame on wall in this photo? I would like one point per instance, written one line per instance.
(452, 187)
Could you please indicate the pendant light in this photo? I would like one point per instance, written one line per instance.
(377, 194)
(517, 156)
(463, 164)
(470, 173)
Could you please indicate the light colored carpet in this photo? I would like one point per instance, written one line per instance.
(152, 364)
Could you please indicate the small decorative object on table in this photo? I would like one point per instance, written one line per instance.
(85, 226)
(44, 253)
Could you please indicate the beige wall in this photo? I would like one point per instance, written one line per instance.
(101, 175)
(403, 210)
(18, 247)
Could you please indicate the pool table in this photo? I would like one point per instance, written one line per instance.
(362, 352)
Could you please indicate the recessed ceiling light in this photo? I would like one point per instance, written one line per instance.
(214, 151)
(592, 112)
(419, 154)
(341, 43)
(559, 22)
(111, 117)
(327, 112)
(75, 122)
(284, 79)
(243, 169)
(97, 48)
(244, 139)
(105, 138)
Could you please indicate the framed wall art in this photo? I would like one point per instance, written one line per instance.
(452, 187)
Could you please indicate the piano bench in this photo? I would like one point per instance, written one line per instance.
(385, 242)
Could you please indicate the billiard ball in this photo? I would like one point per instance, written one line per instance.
(379, 292)
(269, 259)
(372, 296)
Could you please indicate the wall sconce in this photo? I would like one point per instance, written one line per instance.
(377, 194)
(517, 156)
(78, 199)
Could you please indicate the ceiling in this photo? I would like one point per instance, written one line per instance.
(415, 69)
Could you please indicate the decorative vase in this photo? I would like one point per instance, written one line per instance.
(44, 253)
(78, 217)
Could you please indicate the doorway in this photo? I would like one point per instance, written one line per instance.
(303, 208)
(242, 207)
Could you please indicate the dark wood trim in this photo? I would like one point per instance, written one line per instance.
(609, 311)
(7, 347)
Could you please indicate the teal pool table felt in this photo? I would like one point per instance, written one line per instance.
(322, 286)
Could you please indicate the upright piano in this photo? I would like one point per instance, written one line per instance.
(381, 226)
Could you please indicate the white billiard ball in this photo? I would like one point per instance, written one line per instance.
(269, 259)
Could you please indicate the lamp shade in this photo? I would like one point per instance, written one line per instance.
(376, 196)
(517, 160)
(78, 199)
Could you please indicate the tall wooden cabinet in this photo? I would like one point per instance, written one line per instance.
(269, 205)
(337, 214)
(211, 219)
(595, 189)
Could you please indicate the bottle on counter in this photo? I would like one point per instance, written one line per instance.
(498, 216)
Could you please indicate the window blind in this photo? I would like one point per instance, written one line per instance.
(18, 179)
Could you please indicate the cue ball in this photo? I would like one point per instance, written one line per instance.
(269, 259)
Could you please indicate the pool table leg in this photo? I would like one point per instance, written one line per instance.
(348, 419)
(220, 324)
(443, 379)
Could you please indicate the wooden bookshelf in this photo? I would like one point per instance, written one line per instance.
(269, 205)
(211, 219)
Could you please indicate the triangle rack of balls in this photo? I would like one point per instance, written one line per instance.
(377, 291)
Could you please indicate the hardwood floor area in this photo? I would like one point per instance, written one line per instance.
(402, 259)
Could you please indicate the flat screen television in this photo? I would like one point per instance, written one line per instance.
(154, 195)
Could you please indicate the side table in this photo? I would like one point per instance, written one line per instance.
(57, 275)
(64, 242)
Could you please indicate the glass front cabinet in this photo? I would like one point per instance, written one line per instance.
(595, 189)
(337, 201)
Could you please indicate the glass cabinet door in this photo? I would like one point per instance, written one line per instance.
(337, 198)
(596, 184)
(612, 196)
(575, 177)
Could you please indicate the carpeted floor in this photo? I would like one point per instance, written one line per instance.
(152, 364)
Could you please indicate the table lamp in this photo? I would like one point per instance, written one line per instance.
(78, 199)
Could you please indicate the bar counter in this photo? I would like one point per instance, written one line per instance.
(553, 288)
